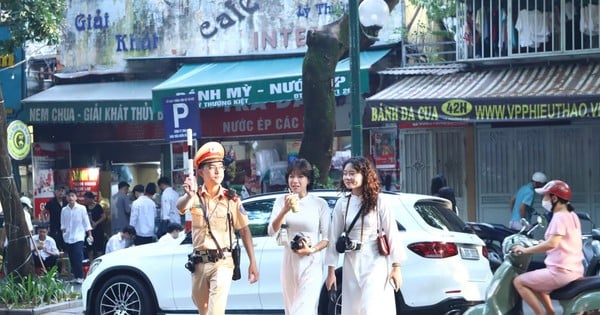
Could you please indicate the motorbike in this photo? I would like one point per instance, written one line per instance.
(493, 234)
(591, 247)
(581, 295)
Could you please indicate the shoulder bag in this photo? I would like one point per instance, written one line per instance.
(382, 242)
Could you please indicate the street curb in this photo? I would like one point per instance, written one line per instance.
(43, 309)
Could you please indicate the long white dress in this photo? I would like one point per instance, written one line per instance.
(302, 276)
(366, 289)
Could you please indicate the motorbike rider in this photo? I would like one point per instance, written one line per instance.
(521, 204)
(563, 248)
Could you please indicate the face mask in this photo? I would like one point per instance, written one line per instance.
(547, 204)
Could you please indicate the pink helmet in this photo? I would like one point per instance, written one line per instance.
(556, 187)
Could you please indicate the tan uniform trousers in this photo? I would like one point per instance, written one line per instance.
(210, 286)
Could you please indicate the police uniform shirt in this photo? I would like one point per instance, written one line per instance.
(216, 212)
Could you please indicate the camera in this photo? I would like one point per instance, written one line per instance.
(344, 244)
(353, 245)
(297, 244)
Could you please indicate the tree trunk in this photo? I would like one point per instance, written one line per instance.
(325, 48)
(18, 253)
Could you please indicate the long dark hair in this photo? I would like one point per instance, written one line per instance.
(370, 184)
(303, 167)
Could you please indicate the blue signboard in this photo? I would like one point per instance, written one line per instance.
(180, 113)
(11, 77)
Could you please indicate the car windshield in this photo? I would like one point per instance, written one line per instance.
(259, 213)
(438, 215)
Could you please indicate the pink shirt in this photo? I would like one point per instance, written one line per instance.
(568, 254)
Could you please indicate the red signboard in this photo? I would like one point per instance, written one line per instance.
(260, 119)
(84, 179)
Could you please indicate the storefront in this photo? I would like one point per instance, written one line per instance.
(120, 59)
(489, 129)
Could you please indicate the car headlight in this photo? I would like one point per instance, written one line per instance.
(94, 265)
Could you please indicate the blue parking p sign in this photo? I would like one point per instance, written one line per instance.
(180, 113)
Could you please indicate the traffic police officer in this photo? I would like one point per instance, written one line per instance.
(211, 278)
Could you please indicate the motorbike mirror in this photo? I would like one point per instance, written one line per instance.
(524, 225)
(541, 221)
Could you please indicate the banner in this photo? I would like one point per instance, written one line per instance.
(50, 163)
(84, 179)
(383, 148)
(505, 109)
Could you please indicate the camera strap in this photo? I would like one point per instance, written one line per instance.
(354, 220)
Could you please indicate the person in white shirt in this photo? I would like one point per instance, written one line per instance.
(26, 203)
(121, 239)
(75, 223)
(43, 248)
(143, 212)
(173, 233)
(168, 205)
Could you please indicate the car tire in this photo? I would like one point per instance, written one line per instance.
(123, 295)
(325, 306)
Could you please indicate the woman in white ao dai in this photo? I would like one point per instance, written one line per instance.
(301, 270)
(368, 278)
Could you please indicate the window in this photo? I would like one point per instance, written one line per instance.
(259, 213)
(439, 215)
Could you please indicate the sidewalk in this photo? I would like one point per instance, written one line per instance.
(67, 308)
(71, 308)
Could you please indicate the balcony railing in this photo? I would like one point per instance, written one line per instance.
(485, 30)
(522, 28)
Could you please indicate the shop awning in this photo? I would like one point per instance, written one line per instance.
(528, 93)
(109, 102)
(237, 83)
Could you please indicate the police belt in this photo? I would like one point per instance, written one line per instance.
(211, 255)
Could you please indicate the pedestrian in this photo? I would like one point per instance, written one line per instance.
(168, 205)
(369, 278)
(216, 213)
(136, 192)
(52, 210)
(307, 215)
(121, 239)
(562, 245)
(440, 188)
(173, 232)
(97, 219)
(25, 204)
(143, 214)
(521, 204)
(75, 223)
(43, 248)
(27, 210)
(120, 205)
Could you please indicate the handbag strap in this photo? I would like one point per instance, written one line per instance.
(354, 220)
(379, 230)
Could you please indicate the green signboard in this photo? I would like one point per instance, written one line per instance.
(90, 112)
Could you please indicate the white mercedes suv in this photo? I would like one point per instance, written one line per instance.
(446, 270)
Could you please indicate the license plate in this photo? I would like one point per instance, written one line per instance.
(469, 253)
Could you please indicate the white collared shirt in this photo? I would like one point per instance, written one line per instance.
(168, 205)
(116, 242)
(49, 246)
(143, 212)
(74, 222)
